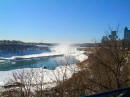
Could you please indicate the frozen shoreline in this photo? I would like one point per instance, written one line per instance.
(31, 56)
(49, 75)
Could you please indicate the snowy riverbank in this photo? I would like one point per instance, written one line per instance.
(31, 56)
(50, 76)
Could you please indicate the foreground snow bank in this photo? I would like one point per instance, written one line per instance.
(48, 76)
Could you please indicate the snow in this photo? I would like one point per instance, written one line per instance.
(32, 56)
(50, 76)
(81, 57)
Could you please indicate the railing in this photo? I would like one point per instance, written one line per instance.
(124, 92)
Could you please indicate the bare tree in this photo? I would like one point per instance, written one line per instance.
(107, 69)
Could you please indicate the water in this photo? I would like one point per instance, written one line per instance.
(50, 62)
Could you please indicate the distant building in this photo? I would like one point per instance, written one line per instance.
(113, 35)
(126, 34)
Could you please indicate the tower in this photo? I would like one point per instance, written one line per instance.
(126, 34)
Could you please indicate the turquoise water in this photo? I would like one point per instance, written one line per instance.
(50, 62)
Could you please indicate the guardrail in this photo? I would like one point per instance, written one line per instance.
(124, 92)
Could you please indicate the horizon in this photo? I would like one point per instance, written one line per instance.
(60, 43)
(64, 21)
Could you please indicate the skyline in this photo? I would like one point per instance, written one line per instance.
(61, 20)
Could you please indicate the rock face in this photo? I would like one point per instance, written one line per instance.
(9, 48)
(13, 48)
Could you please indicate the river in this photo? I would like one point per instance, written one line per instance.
(47, 62)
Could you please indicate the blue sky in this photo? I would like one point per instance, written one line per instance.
(61, 20)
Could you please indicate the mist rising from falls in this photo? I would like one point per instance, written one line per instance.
(69, 50)
(65, 48)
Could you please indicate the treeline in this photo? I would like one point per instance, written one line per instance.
(107, 68)
(17, 42)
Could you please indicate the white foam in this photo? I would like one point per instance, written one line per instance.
(32, 55)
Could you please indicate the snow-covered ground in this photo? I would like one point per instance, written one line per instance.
(50, 76)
